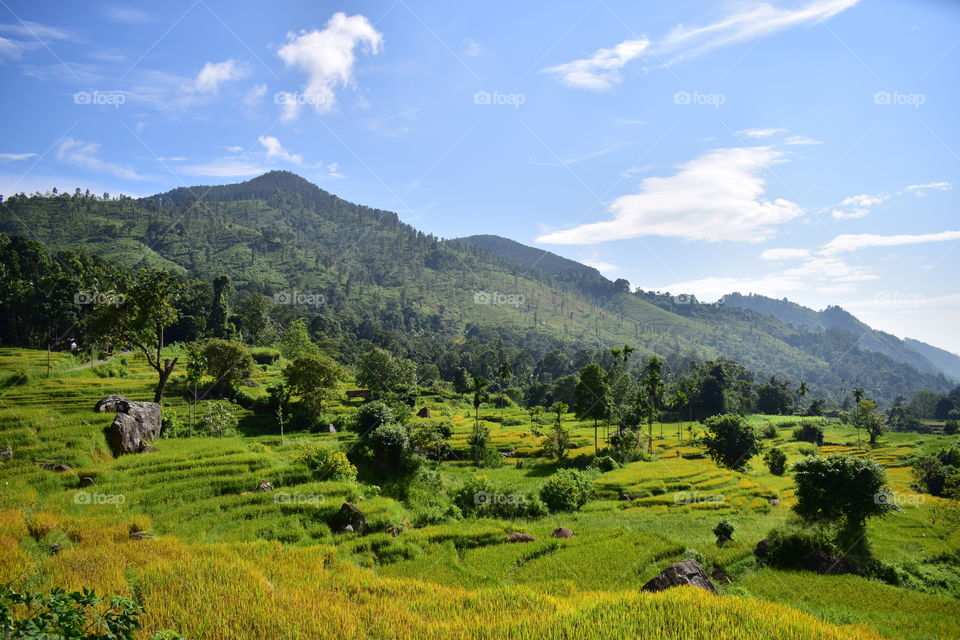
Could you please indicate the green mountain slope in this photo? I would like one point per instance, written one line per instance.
(383, 281)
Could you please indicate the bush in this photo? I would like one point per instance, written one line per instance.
(173, 427)
(264, 355)
(372, 415)
(326, 464)
(567, 490)
(228, 362)
(790, 548)
(776, 461)
(481, 498)
(723, 530)
(492, 459)
(218, 420)
(841, 487)
(809, 432)
(605, 464)
(75, 615)
(950, 427)
(769, 432)
(731, 441)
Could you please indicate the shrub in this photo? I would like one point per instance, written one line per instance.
(372, 415)
(173, 427)
(839, 487)
(731, 441)
(950, 427)
(76, 615)
(809, 432)
(259, 447)
(790, 548)
(264, 355)
(723, 530)
(567, 490)
(326, 464)
(481, 498)
(606, 463)
(769, 432)
(776, 461)
(228, 362)
(218, 419)
(492, 459)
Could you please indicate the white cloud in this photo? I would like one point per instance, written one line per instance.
(472, 48)
(275, 150)
(922, 189)
(761, 133)
(85, 155)
(127, 15)
(755, 21)
(601, 70)
(855, 242)
(255, 94)
(328, 58)
(718, 196)
(784, 254)
(215, 74)
(864, 200)
(35, 30)
(852, 214)
(11, 48)
(8, 157)
(858, 206)
(798, 140)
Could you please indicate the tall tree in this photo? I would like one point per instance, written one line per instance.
(652, 386)
(592, 398)
(478, 386)
(139, 320)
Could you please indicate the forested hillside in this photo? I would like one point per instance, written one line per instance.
(358, 275)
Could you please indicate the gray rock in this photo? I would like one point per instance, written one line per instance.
(6, 455)
(562, 532)
(762, 548)
(140, 535)
(86, 481)
(424, 412)
(134, 428)
(331, 428)
(349, 516)
(263, 485)
(112, 404)
(516, 536)
(686, 573)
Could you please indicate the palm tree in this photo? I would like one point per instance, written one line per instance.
(677, 400)
(802, 391)
(479, 388)
(652, 386)
(505, 373)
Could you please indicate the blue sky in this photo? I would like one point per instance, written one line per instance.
(807, 150)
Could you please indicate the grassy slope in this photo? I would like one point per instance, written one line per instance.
(266, 562)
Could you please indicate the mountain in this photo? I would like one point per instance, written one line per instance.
(471, 302)
(919, 355)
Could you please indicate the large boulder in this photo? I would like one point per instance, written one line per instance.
(686, 573)
(112, 404)
(424, 412)
(136, 426)
(349, 519)
(516, 536)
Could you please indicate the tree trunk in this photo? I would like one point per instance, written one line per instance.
(164, 372)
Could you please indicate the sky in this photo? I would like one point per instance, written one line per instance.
(802, 150)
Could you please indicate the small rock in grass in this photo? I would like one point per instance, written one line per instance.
(86, 481)
(140, 535)
(562, 532)
(263, 485)
(516, 536)
(686, 573)
(6, 455)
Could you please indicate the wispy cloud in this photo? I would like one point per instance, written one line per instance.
(855, 242)
(719, 196)
(214, 74)
(10, 157)
(784, 254)
(922, 189)
(601, 70)
(327, 57)
(275, 150)
(127, 15)
(761, 133)
(86, 155)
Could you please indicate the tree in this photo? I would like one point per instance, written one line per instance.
(312, 378)
(461, 381)
(254, 317)
(228, 362)
(138, 322)
(841, 488)
(677, 400)
(802, 391)
(372, 415)
(218, 419)
(505, 372)
(558, 442)
(731, 441)
(592, 398)
(217, 319)
(943, 408)
(386, 375)
(652, 385)
(296, 341)
(477, 442)
(867, 417)
(535, 412)
(776, 461)
(479, 388)
(723, 531)
(774, 397)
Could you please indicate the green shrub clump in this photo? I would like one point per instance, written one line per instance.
(326, 464)
(776, 461)
(568, 490)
